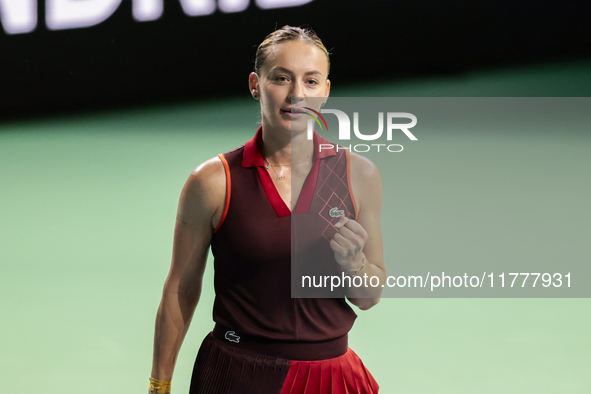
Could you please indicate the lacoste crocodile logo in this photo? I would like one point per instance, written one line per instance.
(335, 212)
(231, 337)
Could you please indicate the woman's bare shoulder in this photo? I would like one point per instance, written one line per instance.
(363, 169)
(204, 191)
(208, 174)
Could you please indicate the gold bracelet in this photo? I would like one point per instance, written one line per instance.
(355, 272)
(159, 386)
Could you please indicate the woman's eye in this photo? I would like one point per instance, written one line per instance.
(313, 82)
(281, 79)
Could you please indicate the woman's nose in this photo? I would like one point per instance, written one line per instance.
(297, 91)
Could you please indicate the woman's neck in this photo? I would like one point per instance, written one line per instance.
(286, 148)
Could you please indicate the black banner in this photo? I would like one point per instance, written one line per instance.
(61, 55)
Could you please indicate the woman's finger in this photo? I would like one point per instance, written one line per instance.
(354, 238)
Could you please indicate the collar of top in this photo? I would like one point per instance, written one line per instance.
(253, 149)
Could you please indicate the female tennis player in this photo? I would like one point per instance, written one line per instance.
(241, 203)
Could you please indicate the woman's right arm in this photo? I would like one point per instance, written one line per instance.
(199, 211)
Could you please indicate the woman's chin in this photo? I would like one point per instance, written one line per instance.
(299, 124)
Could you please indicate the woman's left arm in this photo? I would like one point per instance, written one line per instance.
(363, 237)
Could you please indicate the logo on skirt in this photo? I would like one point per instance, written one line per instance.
(230, 336)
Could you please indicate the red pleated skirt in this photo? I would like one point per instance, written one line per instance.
(345, 374)
(224, 369)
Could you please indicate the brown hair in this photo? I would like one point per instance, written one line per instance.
(286, 33)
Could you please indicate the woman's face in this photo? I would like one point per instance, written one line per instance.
(293, 69)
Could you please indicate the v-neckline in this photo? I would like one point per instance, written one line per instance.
(252, 157)
(304, 199)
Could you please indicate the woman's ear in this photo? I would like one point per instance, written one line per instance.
(253, 85)
(327, 88)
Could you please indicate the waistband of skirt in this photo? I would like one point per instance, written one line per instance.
(291, 350)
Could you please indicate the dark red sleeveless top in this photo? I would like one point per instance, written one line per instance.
(252, 248)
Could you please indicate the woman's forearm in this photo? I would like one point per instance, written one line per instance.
(172, 323)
